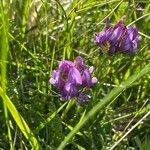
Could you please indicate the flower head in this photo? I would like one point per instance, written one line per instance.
(71, 78)
(129, 41)
(118, 38)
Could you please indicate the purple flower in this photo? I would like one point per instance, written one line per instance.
(118, 38)
(72, 78)
(129, 41)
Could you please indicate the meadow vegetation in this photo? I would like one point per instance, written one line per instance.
(35, 35)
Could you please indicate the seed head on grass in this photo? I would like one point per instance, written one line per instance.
(73, 79)
(118, 38)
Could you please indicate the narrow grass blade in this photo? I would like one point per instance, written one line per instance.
(110, 13)
(4, 47)
(148, 14)
(43, 124)
(20, 121)
(148, 37)
(133, 127)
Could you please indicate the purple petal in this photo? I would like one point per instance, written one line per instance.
(100, 38)
(94, 80)
(86, 78)
(55, 77)
(56, 80)
(112, 49)
(120, 22)
(65, 66)
(128, 46)
(52, 81)
(83, 98)
(91, 69)
(69, 91)
(74, 76)
(132, 32)
(79, 63)
(107, 26)
(79, 60)
(117, 34)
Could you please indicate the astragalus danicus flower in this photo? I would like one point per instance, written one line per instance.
(73, 79)
(118, 38)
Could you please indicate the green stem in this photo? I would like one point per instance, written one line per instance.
(4, 52)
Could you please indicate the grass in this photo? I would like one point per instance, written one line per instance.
(35, 37)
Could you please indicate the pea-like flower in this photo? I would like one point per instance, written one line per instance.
(118, 38)
(72, 79)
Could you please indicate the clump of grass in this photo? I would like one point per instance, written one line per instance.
(35, 36)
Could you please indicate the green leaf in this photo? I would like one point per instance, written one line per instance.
(20, 121)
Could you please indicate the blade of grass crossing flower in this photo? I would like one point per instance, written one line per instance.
(148, 14)
(4, 52)
(20, 121)
(99, 106)
(146, 36)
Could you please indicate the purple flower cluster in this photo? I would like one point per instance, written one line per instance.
(71, 79)
(118, 38)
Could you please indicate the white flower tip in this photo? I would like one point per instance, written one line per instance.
(91, 69)
(94, 80)
(52, 81)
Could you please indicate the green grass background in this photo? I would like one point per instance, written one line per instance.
(35, 35)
